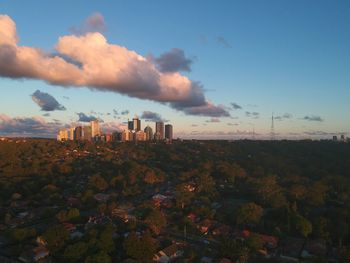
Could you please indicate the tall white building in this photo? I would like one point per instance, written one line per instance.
(95, 128)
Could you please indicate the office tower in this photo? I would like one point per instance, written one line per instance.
(136, 124)
(127, 135)
(62, 135)
(95, 128)
(335, 138)
(169, 132)
(130, 125)
(109, 137)
(159, 135)
(140, 136)
(149, 133)
(342, 138)
(117, 136)
(71, 133)
(78, 133)
(87, 133)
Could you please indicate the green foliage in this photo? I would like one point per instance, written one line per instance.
(141, 248)
(156, 221)
(64, 215)
(100, 257)
(75, 252)
(249, 213)
(56, 238)
(98, 182)
(20, 234)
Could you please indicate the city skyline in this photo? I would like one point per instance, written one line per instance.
(133, 132)
(219, 76)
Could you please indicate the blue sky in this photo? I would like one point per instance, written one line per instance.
(287, 57)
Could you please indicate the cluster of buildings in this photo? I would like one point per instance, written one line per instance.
(134, 132)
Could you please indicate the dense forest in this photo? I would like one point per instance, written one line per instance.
(189, 201)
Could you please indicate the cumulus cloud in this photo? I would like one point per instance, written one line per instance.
(173, 61)
(213, 120)
(94, 23)
(46, 102)
(85, 118)
(101, 66)
(313, 118)
(28, 126)
(223, 42)
(235, 106)
(151, 116)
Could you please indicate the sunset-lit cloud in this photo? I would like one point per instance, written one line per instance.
(173, 61)
(28, 126)
(152, 116)
(88, 60)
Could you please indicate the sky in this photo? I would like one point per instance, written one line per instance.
(214, 70)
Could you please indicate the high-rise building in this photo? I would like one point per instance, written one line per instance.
(159, 135)
(95, 128)
(149, 133)
(127, 135)
(87, 133)
(71, 133)
(140, 136)
(62, 135)
(169, 132)
(78, 133)
(130, 125)
(136, 124)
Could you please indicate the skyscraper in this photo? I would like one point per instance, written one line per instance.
(159, 135)
(136, 124)
(95, 128)
(130, 125)
(78, 133)
(71, 133)
(169, 132)
(87, 134)
(149, 133)
(62, 135)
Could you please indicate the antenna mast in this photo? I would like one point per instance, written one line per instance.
(272, 132)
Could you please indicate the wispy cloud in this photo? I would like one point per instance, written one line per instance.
(223, 42)
(313, 118)
(235, 106)
(94, 23)
(213, 120)
(285, 116)
(46, 102)
(254, 115)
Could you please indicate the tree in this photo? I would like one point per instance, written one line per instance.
(303, 226)
(100, 257)
(21, 234)
(156, 221)
(75, 252)
(56, 238)
(98, 182)
(249, 213)
(140, 248)
(254, 243)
